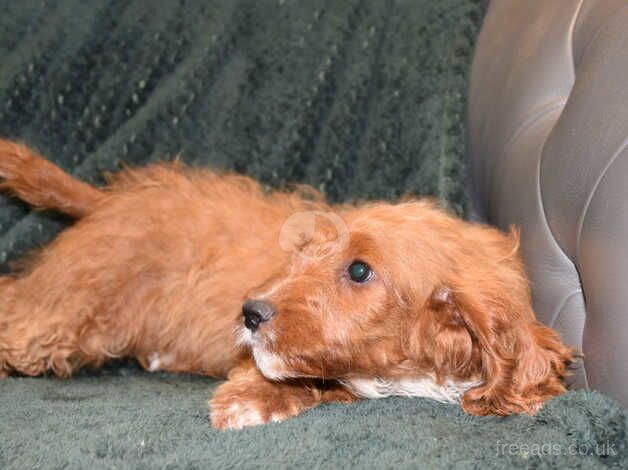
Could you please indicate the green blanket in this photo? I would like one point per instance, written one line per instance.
(362, 99)
(123, 418)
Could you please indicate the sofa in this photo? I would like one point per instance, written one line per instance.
(547, 150)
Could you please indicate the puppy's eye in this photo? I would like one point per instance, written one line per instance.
(359, 272)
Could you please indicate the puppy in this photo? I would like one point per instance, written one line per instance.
(296, 302)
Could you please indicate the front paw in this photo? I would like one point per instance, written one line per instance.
(249, 399)
(237, 412)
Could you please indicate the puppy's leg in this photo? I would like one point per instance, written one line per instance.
(42, 184)
(41, 331)
(249, 399)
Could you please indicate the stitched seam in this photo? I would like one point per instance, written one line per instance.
(538, 172)
(572, 28)
(534, 116)
(587, 203)
(532, 119)
(585, 209)
(561, 306)
(542, 110)
(597, 33)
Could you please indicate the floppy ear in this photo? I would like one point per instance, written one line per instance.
(520, 362)
(523, 362)
(440, 340)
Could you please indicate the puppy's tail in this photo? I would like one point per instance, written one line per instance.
(42, 184)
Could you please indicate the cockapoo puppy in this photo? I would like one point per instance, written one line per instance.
(295, 301)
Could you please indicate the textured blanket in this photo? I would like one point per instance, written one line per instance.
(362, 99)
(124, 418)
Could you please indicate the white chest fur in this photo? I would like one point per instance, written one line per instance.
(376, 387)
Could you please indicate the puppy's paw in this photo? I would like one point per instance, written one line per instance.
(237, 412)
(249, 399)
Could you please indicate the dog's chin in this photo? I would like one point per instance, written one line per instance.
(269, 363)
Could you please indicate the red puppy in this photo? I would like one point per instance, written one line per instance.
(295, 301)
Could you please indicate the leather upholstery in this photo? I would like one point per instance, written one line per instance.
(547, 150)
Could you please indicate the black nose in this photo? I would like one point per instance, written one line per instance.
(256, 312)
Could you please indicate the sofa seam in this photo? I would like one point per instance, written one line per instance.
(572, 27)
(539, 189)
(532, 118)
(596, 34)
(560, 307)
(587, 204)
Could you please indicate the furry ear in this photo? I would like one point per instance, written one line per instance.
(476, 336)
(521, 363)
(441, 341)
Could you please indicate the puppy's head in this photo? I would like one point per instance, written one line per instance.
(401, 292)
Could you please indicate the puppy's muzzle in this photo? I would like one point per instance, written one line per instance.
(256, 312)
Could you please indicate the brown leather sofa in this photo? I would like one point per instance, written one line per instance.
(547, 150)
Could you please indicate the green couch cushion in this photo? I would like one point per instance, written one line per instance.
(128, 419)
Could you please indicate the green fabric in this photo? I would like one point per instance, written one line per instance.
(129, 419)
(363, 99)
